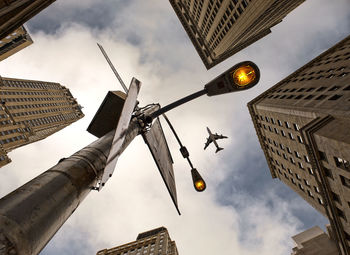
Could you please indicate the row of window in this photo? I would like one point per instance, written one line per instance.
(10, 131)
(30, 84)
(308, 97)
(26, 106)
(228, 18)
(297, 154)
(6, 122)
(12, 139)
(310, 89)
(324, 72)
(214, 10)
(37, 93)
(17, 114)
(301, 187)
(32, 99)
(279, 122)
(283, 133)
(334, 59)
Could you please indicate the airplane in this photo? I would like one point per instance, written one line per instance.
(212, 138)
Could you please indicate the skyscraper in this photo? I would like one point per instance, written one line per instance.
(303, 125)
(220, 28)
(31, 111)
(14, 14)
(154, 242)
(314, 242)
(14, 42)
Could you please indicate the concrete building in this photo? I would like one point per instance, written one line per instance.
(31, 111)
(153, 242)
(14, 13)
(220, 28)
(14, 42)
(314, 242)
(303, 125)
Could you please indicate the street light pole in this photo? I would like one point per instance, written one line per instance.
(32, 214)
(241, 76)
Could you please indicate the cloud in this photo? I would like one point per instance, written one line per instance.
(145, 39)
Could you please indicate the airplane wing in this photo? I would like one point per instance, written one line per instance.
(216, 136)
(207, 143)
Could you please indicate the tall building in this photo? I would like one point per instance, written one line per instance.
(14, 13)
(14, 42)
(314, 242)
(154, 242)
(31, 111)
(220, 28)
(303, 125)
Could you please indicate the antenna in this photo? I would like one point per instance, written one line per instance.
(113, 69)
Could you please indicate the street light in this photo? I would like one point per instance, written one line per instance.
(241, 76)
(198, 181)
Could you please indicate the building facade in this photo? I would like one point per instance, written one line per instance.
(314, 242)
(154, 242)
(14, 13)
(220, 28)
(303, 125)
(14, 42)
(31, 111)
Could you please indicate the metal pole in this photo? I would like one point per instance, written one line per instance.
(32, 214)
(177, 103)
(183, 149)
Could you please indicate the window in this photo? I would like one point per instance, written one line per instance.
(297, 154)
(300, 165)
(310, 194)
(322, 155)
(342, 163)
(307, 183)
(301, 187)
(321, 97)
(335, 197)
(289, 150)
(307, 159)
(283, 133)
(345, 181)
(279, 123)
(317, 189)
(292, 160)
(310, 171)
(335, 97)
(291, 136)
(341, 213)
(287, 124)
(298, 176)
(300, 139)
(328, 172)
(320, 201)
(296, 127)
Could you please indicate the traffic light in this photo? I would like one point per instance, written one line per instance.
(241, 76)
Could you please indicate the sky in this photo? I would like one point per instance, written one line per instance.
(243, 210)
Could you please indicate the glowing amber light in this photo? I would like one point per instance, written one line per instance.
(200, 185)
(244, 75)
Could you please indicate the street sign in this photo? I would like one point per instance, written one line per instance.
(158, 146)
(119, 136)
